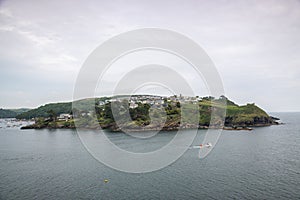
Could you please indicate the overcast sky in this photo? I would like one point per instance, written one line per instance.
(255, 45)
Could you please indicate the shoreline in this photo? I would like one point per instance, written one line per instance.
(227, 128)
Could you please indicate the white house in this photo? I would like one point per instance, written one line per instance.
(133, 105)
(64, 116)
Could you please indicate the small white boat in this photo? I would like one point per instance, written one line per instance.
(200, 146)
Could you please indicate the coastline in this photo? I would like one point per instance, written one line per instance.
(143, 129)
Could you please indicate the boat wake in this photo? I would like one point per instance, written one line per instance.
(200, 146)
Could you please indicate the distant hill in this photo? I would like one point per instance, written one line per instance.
(4, 113)
(20, 110)
(12, 113)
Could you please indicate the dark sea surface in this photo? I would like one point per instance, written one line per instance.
(53, 164)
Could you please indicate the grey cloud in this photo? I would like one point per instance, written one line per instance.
(254, 44)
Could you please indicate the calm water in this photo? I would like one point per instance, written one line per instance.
(259, 164)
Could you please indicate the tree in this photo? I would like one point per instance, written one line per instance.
(52, 115)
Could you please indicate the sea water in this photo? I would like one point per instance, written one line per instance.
(53, 164)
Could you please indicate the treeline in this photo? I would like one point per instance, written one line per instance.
(47, 111)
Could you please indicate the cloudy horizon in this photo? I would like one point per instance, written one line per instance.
(255, 45)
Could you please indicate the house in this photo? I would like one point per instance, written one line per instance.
(64, 117)
(101, 103)
(133, 105)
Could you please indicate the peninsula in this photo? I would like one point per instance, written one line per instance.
(148, 112)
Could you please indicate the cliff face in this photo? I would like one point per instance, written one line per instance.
(232, 121)
(248, 115)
